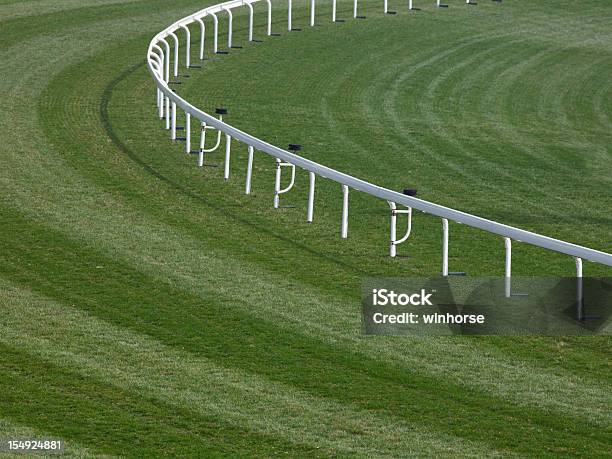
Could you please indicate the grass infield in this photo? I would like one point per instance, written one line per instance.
(149, 308)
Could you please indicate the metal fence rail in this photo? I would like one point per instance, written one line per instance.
(159, 57)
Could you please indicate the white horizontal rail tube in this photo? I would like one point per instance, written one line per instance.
(230, 18)
(345, 210)
(202, 37)
(187, 45)
(334, 10)
(228, 146)
(508, 268)
(187, 133)
(312, 13)
(250, 7)
(215, 32)
(444, 247)
(311, 193)
(269, 17)
(247, 188)
(176, 52)
(289, 15)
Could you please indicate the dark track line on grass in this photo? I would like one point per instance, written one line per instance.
(108, 127)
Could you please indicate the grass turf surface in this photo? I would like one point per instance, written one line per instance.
(148, 308)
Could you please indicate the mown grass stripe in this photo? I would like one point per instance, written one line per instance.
(114, 355)
(116, 421)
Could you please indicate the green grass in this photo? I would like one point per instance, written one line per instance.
(148, 308)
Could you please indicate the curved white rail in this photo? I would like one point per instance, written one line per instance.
(158, 59)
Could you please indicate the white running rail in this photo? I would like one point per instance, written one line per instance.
(165, 47)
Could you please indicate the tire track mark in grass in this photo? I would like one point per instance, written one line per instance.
(133, 362)
(240, 339)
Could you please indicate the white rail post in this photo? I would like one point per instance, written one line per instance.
(311, 192)
(202, 37)
(354, 8)
(277, 183)
(167, 99)
(167, 58)
(334, 10)
(228, 146)
(444, 247)
(157, 64)
(156, 61)
(168, 115)
(393, 247)
(229, 27)
(215, 33)
(187, 133)
(289, 15)
(176, 52)
(269, 17)
(508, 270)
(579, 294)
(385, 6)
(173, 131)
(187, 45)
(345, 196)
(250, 21)
(247, 189)
(202, 144)
(409, 4)
(312, 13)
(160, 104)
